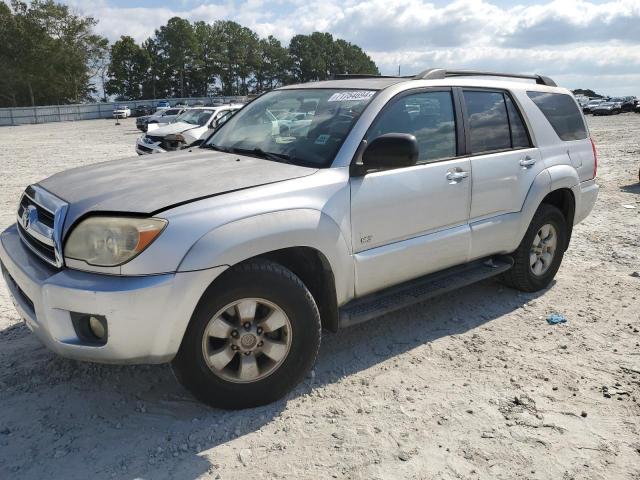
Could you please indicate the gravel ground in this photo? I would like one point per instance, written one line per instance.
(479, 387)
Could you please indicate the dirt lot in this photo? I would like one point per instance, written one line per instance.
(475, 385)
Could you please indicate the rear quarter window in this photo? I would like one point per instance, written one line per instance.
(562, 113)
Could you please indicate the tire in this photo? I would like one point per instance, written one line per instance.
(275, 289)
(521, 276)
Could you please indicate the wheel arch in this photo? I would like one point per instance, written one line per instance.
(305, 241)
(313, 268)
(564, 200)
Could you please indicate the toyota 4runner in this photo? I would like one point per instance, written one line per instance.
(227, 260)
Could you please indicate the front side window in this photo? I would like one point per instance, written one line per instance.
(300, 126)
(428, 116)
(562, 113)
(488, 121)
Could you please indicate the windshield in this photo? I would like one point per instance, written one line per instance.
(301, 126)
(195, 117)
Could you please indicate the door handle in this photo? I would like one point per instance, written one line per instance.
(455, 177)
(527, 162)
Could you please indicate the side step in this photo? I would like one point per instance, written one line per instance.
(414, 291)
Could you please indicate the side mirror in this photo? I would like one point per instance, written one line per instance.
(392, 150)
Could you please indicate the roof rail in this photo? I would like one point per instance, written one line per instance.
(347, 76)
(441, 73)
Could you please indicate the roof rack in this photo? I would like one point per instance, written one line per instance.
(347, 76)
(441, 73)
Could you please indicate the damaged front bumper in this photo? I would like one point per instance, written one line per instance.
(146, 146)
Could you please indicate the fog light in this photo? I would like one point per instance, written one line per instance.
(97, 328)
(91, 329)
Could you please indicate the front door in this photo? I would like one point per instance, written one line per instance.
(411, 221)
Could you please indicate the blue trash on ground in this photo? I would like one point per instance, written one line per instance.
(556, 318)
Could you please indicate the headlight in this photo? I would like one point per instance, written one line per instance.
(175, 138)
(111, 241)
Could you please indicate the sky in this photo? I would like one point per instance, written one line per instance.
(580, 44)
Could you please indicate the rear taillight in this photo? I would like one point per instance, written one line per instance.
(595, 158)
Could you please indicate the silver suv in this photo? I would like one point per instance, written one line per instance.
(315, 206)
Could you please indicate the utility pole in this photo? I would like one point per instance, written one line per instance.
(398, 69)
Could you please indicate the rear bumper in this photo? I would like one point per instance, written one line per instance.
(146, 315)
(586, 194)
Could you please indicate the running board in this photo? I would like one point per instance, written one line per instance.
(415, 291)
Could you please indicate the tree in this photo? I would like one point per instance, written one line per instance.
(177, 44)
(99, 65)
(350, 58)
(587, 93)
(238, 56)
(128, 69)
(49, 55)
(46, 54)
(208, 57)
(318, 56)
(272, 64)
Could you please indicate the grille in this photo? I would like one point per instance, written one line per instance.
(39, 219)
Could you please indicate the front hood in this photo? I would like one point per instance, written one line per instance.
(151, 183)
(177, 127)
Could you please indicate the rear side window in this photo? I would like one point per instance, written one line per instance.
(488, 121)
(562, 112)
(519, 136)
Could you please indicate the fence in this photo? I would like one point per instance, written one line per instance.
(89, 111)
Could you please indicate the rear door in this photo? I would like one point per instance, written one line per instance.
(504, 162)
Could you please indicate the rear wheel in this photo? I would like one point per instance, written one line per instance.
(252, 338)
(539, 255)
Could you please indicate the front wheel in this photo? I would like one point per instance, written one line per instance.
(539, 255)
(253, 337)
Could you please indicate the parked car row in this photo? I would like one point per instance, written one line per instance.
(608, 105)
(124, 111)
(162, 115)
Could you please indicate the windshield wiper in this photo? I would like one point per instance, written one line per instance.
(276, 157)
(213, 146)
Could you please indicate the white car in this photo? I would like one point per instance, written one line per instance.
(122, 111)
(192, 125)
(295, 123)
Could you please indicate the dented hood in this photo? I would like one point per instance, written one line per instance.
(152, 183)
(171, 128)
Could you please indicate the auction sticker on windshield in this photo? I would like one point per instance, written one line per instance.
(350, 96)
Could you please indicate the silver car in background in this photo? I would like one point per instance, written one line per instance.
(161, 116)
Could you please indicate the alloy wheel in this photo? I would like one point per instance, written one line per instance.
(247, 340)
(543, 249)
